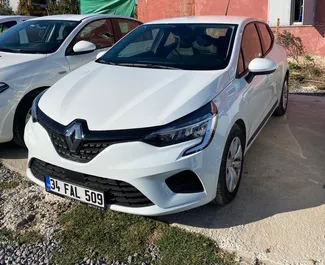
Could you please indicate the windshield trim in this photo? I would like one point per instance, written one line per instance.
(177, 66)
(26, 51)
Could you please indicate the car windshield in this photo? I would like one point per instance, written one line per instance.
(175, 46)
(38, 36)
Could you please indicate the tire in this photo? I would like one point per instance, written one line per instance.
(20, 117)
(225, 194)
(283, 105)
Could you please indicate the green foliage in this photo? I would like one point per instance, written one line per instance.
(6, 185)
(116, 236)
(5, 8)
(179, 247)
(294, 45)
(6, 235)
(112, 235)
(28, 237)
(56, 7)
(24, 8)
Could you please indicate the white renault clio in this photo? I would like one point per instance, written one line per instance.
(161, 122)
(37, 53)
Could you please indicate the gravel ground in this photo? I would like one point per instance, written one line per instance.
(28, 207)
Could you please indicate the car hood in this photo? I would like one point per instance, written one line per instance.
(118, 97)
(14, 59)
(12, 64)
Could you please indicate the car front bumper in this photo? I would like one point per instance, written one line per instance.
(143, 166)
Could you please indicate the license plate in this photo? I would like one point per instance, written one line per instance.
(79, 193)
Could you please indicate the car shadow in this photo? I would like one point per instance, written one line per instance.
(12, 151)
(284, 171)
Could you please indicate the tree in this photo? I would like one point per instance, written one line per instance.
(5, 8)
(24, 8)
(63, 7)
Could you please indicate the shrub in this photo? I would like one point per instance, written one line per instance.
(294, 45)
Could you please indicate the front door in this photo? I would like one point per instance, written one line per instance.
(257, 91)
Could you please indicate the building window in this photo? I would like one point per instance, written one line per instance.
(298, 11)
(291, 12)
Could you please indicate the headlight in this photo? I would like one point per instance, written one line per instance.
(3, 87)
(35, 107)
(200, 124)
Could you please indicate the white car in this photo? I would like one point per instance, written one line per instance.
(161, 122)
(37, 53)
(6, 22)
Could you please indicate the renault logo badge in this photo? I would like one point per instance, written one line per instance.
(73, 137)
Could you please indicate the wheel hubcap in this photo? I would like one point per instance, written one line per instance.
(285, 96)
(28, 115)
(234, 164)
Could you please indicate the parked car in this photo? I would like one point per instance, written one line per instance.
(161, 122)
(39, 52)
(6, 22)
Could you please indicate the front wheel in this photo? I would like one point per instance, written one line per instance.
(231, 167)
(283, 105)
(22, 116)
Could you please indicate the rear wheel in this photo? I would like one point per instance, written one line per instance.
(283, 105)
(23, 113)
(231, 167)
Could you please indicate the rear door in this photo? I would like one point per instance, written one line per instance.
(100, 33)
(257, 90)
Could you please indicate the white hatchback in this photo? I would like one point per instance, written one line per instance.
(6, 22)
(37, 53)
(161, 122)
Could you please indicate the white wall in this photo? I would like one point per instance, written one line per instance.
(14, 4)
(282, 9)
(279, 9)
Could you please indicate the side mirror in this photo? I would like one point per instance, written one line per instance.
(261, 66)
(82, 47)
(100, 54)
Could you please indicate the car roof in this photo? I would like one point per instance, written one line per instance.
(14, 17)
(79, 17)
(205, 19)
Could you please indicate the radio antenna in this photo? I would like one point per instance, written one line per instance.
(227, 8)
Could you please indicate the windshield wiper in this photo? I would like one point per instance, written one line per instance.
(9, 50)
(148, 65)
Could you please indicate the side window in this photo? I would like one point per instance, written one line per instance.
(99, 32)
(266, 37)
(123, 26)
(251, 45)
(7, 25)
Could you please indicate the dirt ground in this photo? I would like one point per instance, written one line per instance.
(279, 214)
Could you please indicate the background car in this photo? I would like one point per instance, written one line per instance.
(170, 137)
(39, 52)
(6, 22)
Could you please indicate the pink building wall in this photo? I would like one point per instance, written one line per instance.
(312, 36)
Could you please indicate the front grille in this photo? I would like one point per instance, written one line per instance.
(116, 192)
(86, 153)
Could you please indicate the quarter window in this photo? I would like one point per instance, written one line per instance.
(266, 37)
(251, 45)
(7, 25)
